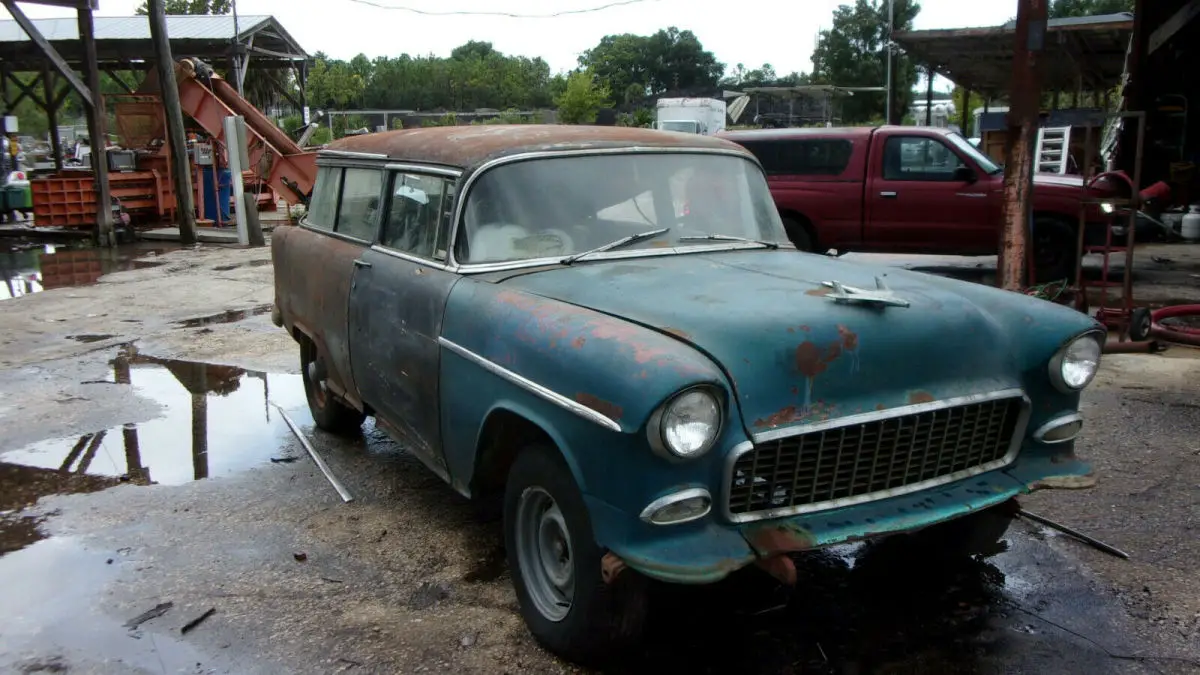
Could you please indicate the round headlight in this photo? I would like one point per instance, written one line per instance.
(689, 423)
(1076, 364)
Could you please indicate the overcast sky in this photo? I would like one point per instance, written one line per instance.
(751, 33)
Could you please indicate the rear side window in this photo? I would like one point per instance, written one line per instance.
(358, 209)
(322, 207)
(816, 157)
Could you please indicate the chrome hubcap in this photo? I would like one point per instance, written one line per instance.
(544, 553)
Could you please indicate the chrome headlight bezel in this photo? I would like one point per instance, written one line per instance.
(1059, 360)
(656, 434)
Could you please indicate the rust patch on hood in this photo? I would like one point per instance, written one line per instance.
(819, 291)
(606, 408)
(920, 397)
(817, 412)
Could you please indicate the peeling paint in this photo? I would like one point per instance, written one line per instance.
(606, 408)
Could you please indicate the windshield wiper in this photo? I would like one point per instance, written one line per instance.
(726, 237)
(623, 241)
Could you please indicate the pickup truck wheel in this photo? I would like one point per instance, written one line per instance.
(1054, 251)
(556, 565)
(329, 413)
(798, 234)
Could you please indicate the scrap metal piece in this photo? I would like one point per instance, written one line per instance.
(337, 484)
(1095, 543)
(880, 296)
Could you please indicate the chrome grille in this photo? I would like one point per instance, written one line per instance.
(852, 462)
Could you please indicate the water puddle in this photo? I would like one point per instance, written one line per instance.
(228, 316)
(252, 263)
(32, 269)
(88, 338)
(216, 420)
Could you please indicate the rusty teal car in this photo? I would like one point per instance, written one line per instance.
(607, 329)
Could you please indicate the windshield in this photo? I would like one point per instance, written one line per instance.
(557, 207)
(985, 163)
(686, 126)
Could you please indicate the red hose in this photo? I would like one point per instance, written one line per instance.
(1181, 334)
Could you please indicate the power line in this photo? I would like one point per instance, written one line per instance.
(511, 15)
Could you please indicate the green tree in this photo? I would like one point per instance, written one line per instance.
(853, 53)
(191, 7)
(670, 59)
(1066, 8)
(333, 84)
(582, 98)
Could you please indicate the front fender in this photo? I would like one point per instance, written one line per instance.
(621, 370)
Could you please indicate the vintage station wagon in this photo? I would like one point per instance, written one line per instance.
(608, 328)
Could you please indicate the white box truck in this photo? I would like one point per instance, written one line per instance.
(704, 116)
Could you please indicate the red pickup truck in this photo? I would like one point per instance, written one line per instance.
(906, 190)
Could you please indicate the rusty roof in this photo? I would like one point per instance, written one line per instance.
(796, 132)
(1088, 51)
(467, 146)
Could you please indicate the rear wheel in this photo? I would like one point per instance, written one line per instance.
(556, 564)
(798, 234)
(328, 412)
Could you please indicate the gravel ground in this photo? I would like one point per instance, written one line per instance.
(409, 578)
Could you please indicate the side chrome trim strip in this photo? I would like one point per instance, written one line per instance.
(532, 387)
(690, 493)
(1061, 421)
(1014, 449)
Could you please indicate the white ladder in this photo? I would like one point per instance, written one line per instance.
(1053, 150)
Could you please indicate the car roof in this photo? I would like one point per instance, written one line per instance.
(470, 146)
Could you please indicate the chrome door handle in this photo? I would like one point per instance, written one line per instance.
(888, 195)
(361, 263)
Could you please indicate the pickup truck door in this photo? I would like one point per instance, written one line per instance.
(397, 303)
(918, 200)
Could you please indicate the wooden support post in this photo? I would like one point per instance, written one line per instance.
(963, 116)
(48, 83)
(1024, 102)
(96, 114)
(929, 97)
(181, 171)
(52, 55)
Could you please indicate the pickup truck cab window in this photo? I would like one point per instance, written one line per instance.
(817, 157)
(919, 158)
(602, 198)
(358, 208)
(322, 208)
(415, 222)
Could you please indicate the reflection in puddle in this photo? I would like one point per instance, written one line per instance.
(228, 316)
(22, 486)
(46, 267)
(216, 420)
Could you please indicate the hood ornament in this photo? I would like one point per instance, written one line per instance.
(881, 296)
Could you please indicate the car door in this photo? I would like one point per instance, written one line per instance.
(396, 307)
(318, 272)
(919, 199)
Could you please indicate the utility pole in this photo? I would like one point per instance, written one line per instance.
(238, 62)
(1024, 103)
(891, 24)
(181, 169)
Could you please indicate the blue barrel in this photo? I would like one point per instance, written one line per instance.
(218, 195)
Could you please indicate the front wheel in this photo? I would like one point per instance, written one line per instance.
(798, 234)
(556, 565)
(328, 412)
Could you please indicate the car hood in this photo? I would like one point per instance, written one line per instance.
(791, 353)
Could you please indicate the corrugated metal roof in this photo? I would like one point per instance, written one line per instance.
(1074, 21)
(137, 28)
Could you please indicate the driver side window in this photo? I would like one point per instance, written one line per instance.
(912, 158)
(414, 222)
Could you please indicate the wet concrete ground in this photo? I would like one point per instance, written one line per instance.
(132, 481)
